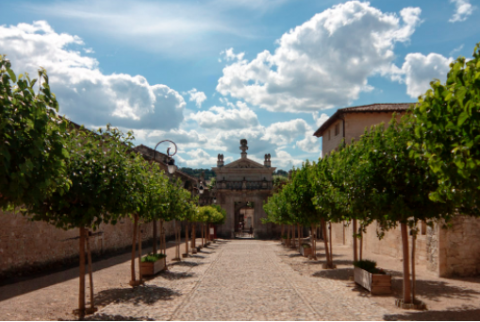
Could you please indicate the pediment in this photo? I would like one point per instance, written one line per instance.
(244, 164)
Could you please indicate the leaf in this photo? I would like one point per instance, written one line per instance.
(12, 75)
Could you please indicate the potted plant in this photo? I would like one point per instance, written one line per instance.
(306, 250)
(284, 239)
(374, 279)
(152, 264)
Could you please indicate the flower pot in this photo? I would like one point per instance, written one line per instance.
(375, 283)
(152, 268)
(305, 251)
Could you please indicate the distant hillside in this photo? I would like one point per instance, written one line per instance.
(197, 172)
(210, 174)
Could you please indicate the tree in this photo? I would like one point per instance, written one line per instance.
(447, 134)
(401, 183)
(32, 136)
(103, 178)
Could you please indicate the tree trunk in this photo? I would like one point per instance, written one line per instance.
(360, 231)
(90, 274)
(354, 228)
(194, 236)
(186, 238)
(293, 234)
(154, 248)
(414, 242)
(298, 230)
(314, 241)
(139, 253)
(331, 250)
(325, 241)
(134, 246)
(406, 273)
(164, 243)
(81, 294)
(282, 231)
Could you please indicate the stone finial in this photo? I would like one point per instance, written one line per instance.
(244, 148)
(220, 160)
(267, 163)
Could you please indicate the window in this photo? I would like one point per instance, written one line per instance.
(423, 227)
(337, 129)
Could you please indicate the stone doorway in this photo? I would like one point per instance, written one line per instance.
(244, 219)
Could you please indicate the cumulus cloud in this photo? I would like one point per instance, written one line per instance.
(197, 97)
(323, 63)
(85, 94)
(200, 158)
(309, 144)
(319, 120)
(283, 133)
(229, 55)
(419, 70)
(285, 160)
(221, 118)
(463, 9)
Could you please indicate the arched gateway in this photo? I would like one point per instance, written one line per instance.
(242, 187)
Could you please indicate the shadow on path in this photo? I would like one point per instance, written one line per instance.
(342, 274)
(116, 317)
(146, 294)
(463, 313)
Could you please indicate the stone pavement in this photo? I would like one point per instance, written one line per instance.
(237, 280)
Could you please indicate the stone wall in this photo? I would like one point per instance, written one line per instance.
(390, 245)
(27, 245)
(459, 247)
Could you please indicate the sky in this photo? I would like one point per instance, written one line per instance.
(208, 73)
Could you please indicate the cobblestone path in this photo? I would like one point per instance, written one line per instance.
(241, 280)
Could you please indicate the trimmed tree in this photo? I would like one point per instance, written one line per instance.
(32, 140)
(102, 189)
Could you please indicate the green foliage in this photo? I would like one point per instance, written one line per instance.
(447, 134)
(211, 215)
(219, 219)
(32, 135)
(105, 178)
(152, 258)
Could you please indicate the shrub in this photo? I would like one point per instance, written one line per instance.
(369, 266)
(151, 258)
(306, 246)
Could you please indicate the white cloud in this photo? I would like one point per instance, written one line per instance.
(456, 50)
(173, 28)
(463, 9)
(221, 118)
(200, 158)
(285, 160)
(419, 70)
(282, 133)
(85, 94)
(197, 97)
(310, 143)
(229, 55)
(323, 63)
(319, 120)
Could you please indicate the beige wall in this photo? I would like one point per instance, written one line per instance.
(355, 124)
(25, 244)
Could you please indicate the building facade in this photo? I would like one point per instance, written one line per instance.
(244, 184)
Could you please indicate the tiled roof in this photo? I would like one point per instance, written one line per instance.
(372, 108)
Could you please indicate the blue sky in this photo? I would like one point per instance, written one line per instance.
(209, 73)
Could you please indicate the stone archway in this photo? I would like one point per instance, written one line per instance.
(239, 182)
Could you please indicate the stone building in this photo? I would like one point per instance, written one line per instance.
(241, 185)
(447, 252)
